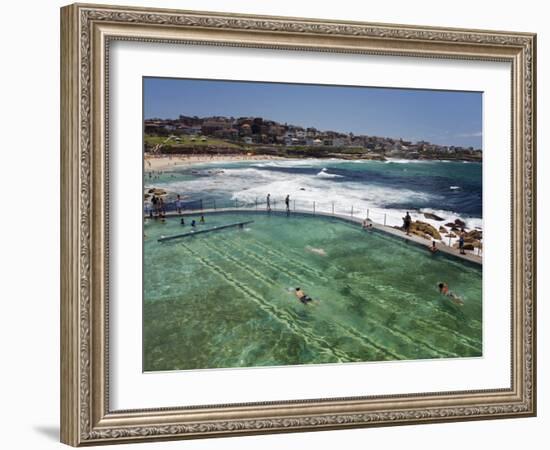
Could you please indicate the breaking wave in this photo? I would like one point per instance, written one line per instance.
(306, 185)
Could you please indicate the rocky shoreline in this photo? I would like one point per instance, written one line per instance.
(450, 231)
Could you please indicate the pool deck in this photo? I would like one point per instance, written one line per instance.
(476, 259)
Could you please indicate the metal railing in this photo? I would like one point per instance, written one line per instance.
(279, 205)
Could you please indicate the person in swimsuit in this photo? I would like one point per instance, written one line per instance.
(301, 295)
(444, 289)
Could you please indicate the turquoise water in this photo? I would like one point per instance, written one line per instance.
(387, 189)
(225, 299)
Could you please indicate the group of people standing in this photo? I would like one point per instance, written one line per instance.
(158, 207)
(287, 203)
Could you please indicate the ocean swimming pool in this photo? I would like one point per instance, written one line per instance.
(225, 299)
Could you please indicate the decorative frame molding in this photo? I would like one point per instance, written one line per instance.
(86, 31)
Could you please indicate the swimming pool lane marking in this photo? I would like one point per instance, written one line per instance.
(352, 331)
(466, 341)
(302, 267)
(255, 273)
(270, 283)
(395, 330)
(406, 336)
(366, 340)
(281, 316)
(463, 339)
(364, 280)
(277, 313)
(473, 344)
(356, 334)
(255, 256)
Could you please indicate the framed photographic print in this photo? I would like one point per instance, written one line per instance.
(279, 224)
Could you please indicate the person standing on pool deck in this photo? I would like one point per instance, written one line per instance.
(461, 243)
(154, 203)
(162, 210)
(407, 223)
(178, 204)
(433, 248)
(268, 200)
(287, 203)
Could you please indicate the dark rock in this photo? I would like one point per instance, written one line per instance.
(466, 246)
(433, 217)
(442, 229)
(424, 229)
(460, 223)
(475, 234)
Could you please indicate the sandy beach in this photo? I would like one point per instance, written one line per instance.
(167, 162)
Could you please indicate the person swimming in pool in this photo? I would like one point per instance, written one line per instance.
(302, 296)
(444, 289)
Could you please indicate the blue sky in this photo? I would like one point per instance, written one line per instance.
(441, 117)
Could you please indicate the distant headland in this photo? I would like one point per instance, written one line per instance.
(220, 135)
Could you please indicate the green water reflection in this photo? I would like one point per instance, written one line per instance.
(225, 299)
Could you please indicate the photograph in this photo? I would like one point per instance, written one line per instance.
(304, 221)
(291, 224)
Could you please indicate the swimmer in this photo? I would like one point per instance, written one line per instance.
(444, 289)
(317, 251)
(301, 295)
(202, 219)
(182, 221)
(433, 248)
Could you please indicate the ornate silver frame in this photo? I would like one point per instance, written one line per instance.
(86, 31)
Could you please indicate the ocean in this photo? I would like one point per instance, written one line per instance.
(384, 190)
